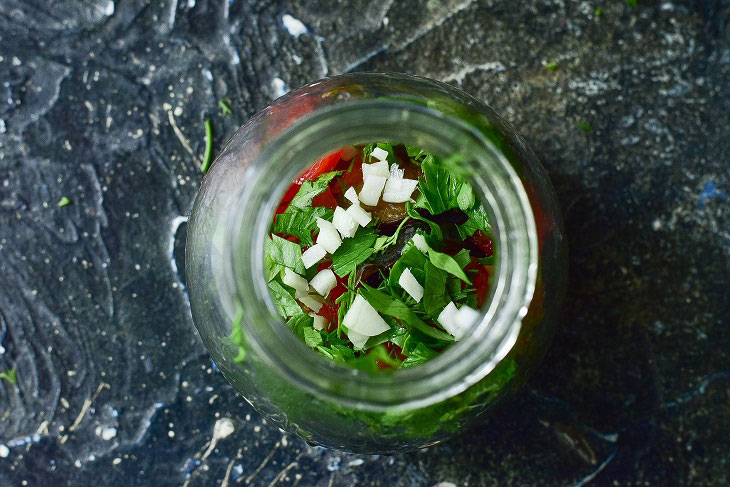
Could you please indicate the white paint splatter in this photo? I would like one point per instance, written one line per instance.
(106, 433)
(279, 87)
(223, 428)
(294, 26)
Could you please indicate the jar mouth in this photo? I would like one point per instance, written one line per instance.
(512, 285)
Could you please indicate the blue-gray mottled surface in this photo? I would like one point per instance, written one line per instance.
(103, 102)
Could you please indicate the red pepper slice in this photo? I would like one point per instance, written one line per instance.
(484, 243)
(326, 199)
(326, 164)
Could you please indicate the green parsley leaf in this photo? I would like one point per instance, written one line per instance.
(416, 153)
(64, 201)
(598, 12)
(386, 241)
(478, 220)
(299, 322)
(10, 375)
(301, 222)
(551, 66)
(447, 263)
(453, 286)
(436, 236)
(440, 186)
(419, 355)
(392, 306)
(368, 149)
(353, 251)
(632, 3)
(310, 189)
(411, 258)
(280, 253)
(463, 258)
(435, 291)
(283, 301)
(369, 362)
(312, 337)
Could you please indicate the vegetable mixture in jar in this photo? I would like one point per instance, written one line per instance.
(379, 256)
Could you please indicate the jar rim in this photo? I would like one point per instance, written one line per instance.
(459, 366)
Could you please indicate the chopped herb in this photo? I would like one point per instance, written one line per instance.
(64, 201)
(280, 253)
(632, 3)
(225, 106)
(584, 126)
(598, 12)
(310, 189)
(436, 236)
(419, 355)
(385, 241)
(392, 306)
(435, 290)
(301, 322)
(371, 361)
(283, 301)
(208, 156)
(478, 220)
(312, 337)
(412, 259)
(300, 222)
(10, 375)
(551, 66)
(353, 251)
(447, 263)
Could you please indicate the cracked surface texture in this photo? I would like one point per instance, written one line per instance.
(103, 102)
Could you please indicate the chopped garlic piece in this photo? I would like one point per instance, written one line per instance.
(324, 282)
(371, 189)
(410, 285)
(312, 255)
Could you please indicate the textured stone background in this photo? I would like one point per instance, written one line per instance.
(103, 101)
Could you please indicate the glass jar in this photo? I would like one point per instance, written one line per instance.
(326, 402)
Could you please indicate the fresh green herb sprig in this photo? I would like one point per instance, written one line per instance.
(225, 105)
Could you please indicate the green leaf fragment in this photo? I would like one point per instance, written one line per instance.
(64, 201)
(353, 251)
(284, 302)
(310, 189)
(392, 306)
(10, 375)
(435, 291)
(280, 253)
(225, 105)
(419, 355)
(584, 126)
(300, 222)
(208, 155)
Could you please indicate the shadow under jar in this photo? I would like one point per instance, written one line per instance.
(326, 402)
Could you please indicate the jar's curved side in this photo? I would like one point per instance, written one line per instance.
(215, 309)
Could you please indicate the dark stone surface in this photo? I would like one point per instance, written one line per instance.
(114, 387)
